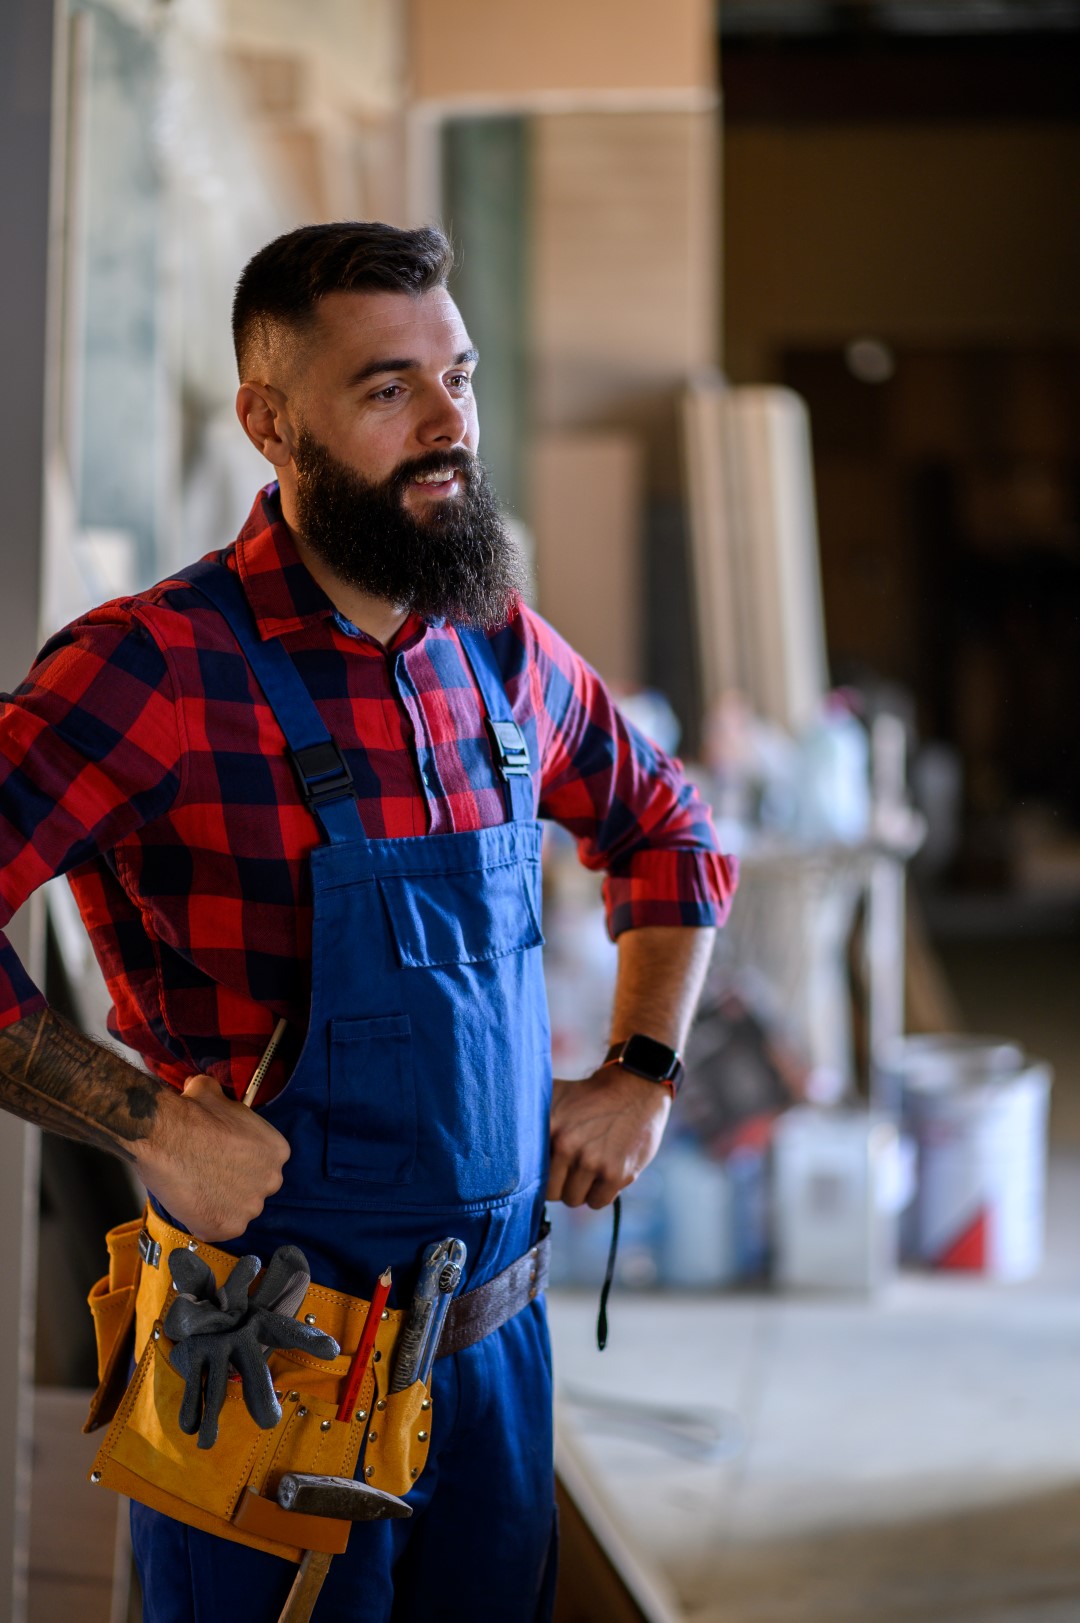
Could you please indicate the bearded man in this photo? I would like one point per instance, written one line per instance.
(300, 782)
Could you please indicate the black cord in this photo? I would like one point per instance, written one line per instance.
(609, 1275)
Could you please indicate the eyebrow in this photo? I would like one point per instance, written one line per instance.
(405, 364)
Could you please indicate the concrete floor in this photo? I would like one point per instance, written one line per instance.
(912, 1458)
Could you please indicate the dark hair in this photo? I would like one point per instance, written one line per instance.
(282, 285)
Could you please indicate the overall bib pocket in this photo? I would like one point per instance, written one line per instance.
(372, 1120)
(467, 917)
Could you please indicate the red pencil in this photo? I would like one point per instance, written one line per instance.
(362, 1356)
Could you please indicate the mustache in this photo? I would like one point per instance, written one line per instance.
(460, 460)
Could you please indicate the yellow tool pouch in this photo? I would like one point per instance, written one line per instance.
(230, 1489)
(112, 1307)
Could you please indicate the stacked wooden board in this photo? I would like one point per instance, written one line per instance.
(754, 549)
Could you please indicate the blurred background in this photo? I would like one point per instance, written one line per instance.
(777, 308)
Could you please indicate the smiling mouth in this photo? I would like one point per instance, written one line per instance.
(439, 482)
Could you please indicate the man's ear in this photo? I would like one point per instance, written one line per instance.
(265, 420)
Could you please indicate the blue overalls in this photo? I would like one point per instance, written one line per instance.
(418, 1109)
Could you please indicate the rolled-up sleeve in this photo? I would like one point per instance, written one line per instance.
(631, 808)
(89, 751)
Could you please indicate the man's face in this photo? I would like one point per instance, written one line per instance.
(386, 378)
(388, 491)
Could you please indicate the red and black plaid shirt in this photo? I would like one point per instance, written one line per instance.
(140, 758)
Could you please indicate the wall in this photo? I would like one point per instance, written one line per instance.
(356, 46)
(492, 48)
(624, 271)
(26, 122)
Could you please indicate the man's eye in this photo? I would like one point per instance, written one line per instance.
(459, 380)
(391, 392)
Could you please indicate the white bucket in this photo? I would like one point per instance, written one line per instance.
(836, 1175)
(982, 1168)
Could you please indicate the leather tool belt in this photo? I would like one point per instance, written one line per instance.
(229, 1489)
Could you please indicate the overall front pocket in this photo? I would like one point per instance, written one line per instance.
(372, 1122)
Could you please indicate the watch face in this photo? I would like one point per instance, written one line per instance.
(650, 1058)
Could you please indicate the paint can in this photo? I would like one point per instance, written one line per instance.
(982, 1145)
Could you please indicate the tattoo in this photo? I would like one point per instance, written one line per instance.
(56, 1077)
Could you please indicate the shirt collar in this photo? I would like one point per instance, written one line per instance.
(281, 592)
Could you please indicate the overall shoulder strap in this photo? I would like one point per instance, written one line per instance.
(325, 780)
(509, 748)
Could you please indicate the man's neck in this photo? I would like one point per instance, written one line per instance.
(374, 615)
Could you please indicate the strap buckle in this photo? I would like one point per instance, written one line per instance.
(149, 1248)
(511, 750)
(322, 773)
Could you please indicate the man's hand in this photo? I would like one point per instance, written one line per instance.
(604, 1131)
(211, 1162)
(208, 1159)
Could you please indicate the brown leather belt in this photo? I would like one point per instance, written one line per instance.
(475, 1315)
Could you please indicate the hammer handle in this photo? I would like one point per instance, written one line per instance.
(306, 1585)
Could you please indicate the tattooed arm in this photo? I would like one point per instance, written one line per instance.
(211, 1162)
(91, 749)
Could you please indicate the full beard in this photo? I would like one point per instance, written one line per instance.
(457, 563)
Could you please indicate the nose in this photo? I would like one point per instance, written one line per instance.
(445, 420)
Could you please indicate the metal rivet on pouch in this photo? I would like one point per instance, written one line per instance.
(422, 1436)
(381, 1404)
(325, 1426)
(309, 1318)
(301, 1411)
(414, 1472)
(376, 1358)
(277, 1395)
(361, 1414)
(373, 1437)
(426, 1404)
(386, 1313)
(155, 1334)
(369, 1470)
(95, 1476)
(294, 1397)
(193, 1245)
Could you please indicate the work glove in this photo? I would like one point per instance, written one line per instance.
(218, 1328)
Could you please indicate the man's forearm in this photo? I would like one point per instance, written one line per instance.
(661, 972)
(211, 1161)
(56, 1077)
(606, 1128)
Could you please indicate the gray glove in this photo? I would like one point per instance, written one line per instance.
(216, 1329)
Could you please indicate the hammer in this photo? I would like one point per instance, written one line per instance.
(344, 1500)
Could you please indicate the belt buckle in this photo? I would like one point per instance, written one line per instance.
(149, 1248)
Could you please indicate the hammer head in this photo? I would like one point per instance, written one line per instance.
(340, 1497)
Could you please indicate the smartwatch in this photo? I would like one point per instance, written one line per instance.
(644, 1056)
